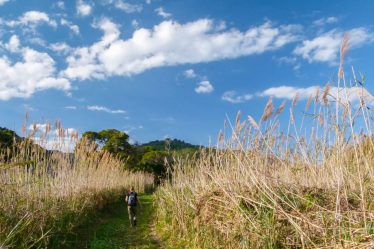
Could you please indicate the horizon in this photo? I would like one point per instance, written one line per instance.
(158, 69)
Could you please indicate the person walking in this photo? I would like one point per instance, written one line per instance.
(132, 201)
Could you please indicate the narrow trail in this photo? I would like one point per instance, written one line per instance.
(114, 231)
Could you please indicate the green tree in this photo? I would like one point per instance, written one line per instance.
(156, 162)
(7, 137)
(111, 140)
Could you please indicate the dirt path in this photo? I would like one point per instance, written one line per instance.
(114, 231)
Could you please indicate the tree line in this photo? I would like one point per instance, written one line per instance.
(155, 157)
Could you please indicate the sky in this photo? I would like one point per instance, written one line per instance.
(163, 68)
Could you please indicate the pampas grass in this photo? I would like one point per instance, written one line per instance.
(45, 195)
(266, 188)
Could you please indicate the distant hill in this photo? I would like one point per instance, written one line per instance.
(7, 137)
(174, 144)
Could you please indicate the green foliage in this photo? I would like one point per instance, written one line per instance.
(153, 157)
(169, 144)
(155, 162)
(111, 140)
(7, 137)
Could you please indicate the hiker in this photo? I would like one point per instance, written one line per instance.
(132, 201)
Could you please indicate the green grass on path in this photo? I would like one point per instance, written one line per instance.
(114, 229)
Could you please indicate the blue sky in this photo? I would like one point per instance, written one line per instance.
(175, 69)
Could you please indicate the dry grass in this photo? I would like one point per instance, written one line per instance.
(46, 195)
(308, 187)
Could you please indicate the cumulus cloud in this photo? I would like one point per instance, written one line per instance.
(37, 127)
(36, 17)
(325, 20)
(60, 47)
(161, 12)
(289, 92)
(325, 47)
(190, 73)
(235, 98)
(62, 139)
(35, 71)
(73, 27)
(104, 109)
(32, 18)
(125, 6)
(204, 87)
(83, 9)
(13, 44)
(171, 43)
(2, 2)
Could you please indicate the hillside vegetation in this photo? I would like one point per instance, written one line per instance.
(155, 157)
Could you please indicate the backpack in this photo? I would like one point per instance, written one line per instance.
(131, 201)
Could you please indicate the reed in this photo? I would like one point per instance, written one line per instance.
(46, 195)
(264, 187)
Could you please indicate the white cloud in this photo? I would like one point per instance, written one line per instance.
(13, 44)
(34, 72)
(135, 24)
(2, 2)
(161, 12)
(37, 127)
(148, 1)
(71, 107)
(325, 20)
(37, 41)
(42, 128)
(84, 62)
(204, 87)
(60, 47)
(289, 92)
(63, 139)
(60, 4)
(36, 17)
(325, 48)
(170, 43)
(125, 6)
(70, 25)
(32, 18)
(104, 109)
(83, 9)
(293, 61)
(190, 73)
(235, 98)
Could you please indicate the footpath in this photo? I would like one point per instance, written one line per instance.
(113, 230)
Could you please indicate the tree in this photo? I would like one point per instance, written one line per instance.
(7, 137)
(111, 140)
(156, 162)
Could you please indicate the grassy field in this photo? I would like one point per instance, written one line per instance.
(113, 229)
(46, 196)
(308, 184)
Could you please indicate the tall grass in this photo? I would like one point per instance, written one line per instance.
(46, 195)
(309, 184)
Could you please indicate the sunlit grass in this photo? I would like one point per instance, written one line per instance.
(45, 195)
(309, 184)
